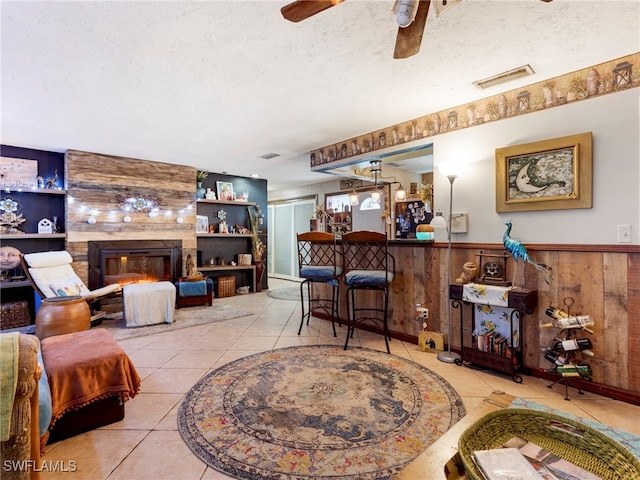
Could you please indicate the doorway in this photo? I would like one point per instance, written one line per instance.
(287, 219)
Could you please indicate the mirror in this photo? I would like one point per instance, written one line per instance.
(410, 167)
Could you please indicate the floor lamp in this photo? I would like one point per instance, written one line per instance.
(438, 221)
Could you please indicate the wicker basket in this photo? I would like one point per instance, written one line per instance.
(226, 286)
(569, 439)
(14, 314)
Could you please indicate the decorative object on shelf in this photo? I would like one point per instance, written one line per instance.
(9, 259)
(45, 226)
(244, 197)
(244, 259)
(200, 177)
(9, 220)
(190, 265)
(138, 203)
(519, 251)
(258, 248)
(54, 224)
(18, 173)
(259, 252)
(225, 191)
(202, 224)
(493, 269)
(221, 214)
(51, 183)
(210, 194)
(469, 273)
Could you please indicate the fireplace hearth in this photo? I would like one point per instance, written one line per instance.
(133, 261)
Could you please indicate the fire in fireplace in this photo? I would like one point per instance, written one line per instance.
(133, 261)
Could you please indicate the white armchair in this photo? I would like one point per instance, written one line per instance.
(52, 275)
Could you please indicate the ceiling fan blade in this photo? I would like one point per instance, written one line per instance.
(303, 9)
(409, 39)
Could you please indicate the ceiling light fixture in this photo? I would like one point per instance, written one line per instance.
(523, 71)
(376, 169)
(405, 12)
(269, 156)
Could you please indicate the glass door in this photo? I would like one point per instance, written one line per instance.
(288, 219)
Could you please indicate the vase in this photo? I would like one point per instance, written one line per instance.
(60, 315)
(200, 192)
(259, 274)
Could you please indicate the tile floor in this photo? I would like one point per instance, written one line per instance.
(147, 445)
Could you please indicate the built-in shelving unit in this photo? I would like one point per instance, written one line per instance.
(224, 248)
(35, 204)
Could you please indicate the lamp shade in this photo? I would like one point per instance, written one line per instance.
(438, 221)
(450, 169)
(401, 194)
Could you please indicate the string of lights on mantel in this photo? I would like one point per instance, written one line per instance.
(126, 208)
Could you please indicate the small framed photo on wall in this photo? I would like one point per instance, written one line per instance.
(225, 191)
(202, 224)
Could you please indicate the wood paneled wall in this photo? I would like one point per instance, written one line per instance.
(93, 180)
(603, 281)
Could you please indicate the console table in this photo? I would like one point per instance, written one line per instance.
(521, 301)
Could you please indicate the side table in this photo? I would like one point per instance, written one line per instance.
(520, 301)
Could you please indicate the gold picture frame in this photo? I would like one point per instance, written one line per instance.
(554, 174)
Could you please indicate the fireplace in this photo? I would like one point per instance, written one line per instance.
(133, 261)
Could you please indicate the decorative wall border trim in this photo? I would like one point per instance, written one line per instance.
(602, 79)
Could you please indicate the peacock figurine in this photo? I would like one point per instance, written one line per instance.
(516, 248)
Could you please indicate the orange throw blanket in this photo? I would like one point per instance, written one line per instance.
(84, 367)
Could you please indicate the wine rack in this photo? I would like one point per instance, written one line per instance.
(568, 349)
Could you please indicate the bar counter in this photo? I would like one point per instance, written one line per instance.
(413, 284)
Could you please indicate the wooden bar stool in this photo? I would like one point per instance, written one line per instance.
(318, 262)
(368, 265)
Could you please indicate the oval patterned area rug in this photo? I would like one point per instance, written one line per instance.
(316, 412)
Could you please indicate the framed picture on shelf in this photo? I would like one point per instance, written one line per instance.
(225, 191)
(202, 224)
(554, 174)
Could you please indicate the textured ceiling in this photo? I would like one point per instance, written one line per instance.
(216, 84)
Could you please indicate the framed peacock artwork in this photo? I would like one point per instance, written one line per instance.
(554, 174)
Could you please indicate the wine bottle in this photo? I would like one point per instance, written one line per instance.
(554, 312)
(556, 358)
(580, 321)
(573, 344)
(571, 370)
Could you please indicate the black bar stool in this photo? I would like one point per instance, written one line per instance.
(318, 262)
(367, 266)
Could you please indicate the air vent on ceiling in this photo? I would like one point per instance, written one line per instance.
(504, 77)
(268, 156)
